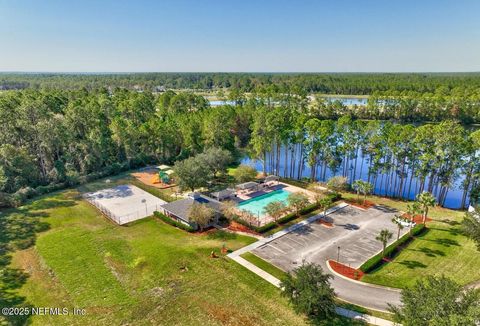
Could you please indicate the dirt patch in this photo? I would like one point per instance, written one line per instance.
(354, 274)
(227, 315)
(364, 205)
(418, 219)
(150, 178)
(40, 274)
(235, 226)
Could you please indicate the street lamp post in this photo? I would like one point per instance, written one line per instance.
(338, 254)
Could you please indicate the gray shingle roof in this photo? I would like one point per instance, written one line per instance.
(180, 207)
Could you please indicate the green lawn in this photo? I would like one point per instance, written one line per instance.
(278, 273)
(442, 250)
(267, 267)
(65, 254)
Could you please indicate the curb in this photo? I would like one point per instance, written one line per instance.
(362, 283)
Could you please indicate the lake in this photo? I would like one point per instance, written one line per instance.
(453, 199)
(344, 100)
(218, 103)
(348, 100)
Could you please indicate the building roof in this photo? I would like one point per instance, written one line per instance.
(223, 193)
(180, 208)
(163, 167)
(169, 172)
(247, 185)
(272, 178)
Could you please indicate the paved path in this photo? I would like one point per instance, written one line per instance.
(362, 294)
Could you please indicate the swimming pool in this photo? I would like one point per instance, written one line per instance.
(256, 205)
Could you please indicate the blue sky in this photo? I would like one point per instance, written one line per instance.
(246, 35)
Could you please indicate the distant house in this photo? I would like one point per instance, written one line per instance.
(178, 210)
(159, 89)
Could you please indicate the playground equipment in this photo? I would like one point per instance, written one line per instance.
(161, 177)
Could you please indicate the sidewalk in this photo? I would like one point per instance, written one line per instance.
(276, 282)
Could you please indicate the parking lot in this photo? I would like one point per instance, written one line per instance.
(353, 230)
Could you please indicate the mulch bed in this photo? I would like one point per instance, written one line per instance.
(354, 274)
(146, 178)
(325, 223)
(418, 219)
(234, 226)
(368, 204)
(206, 231)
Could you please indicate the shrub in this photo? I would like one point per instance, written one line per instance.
(266, 227)
(73, 178)
(16, 199)
(172, 222)
(244, 173)
(27, 192)
(337, 183)
(391, 250)
(5, 200)
(297, 183)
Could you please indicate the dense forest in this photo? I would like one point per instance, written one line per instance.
(327, 83)
(56, 138)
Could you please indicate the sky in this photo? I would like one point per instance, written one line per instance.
(239, 36)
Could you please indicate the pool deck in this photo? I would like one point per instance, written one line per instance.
(277, 186)
(264, 219)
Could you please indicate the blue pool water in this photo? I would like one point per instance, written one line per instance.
(256, 205)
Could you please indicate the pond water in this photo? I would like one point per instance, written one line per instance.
(348, 100)
(343, 100)
(453, 199)
(218, 103)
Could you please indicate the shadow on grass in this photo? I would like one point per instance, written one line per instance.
(18, 230)
(449, 222)
(221, 235)
(51, 203)
(431, 252)
(446, 242)
(412, 264)
(337, 321)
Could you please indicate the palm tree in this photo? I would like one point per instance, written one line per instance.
(325, 203)
(383, 237)
(412, 210)
(425, 200)
(398, 221)
(363, 187)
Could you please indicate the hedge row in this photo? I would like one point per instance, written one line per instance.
(391, 250)
(172, 222)
(72, 179)
(295, 182)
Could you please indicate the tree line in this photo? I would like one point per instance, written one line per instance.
(329, 83)
(68, 136)
(401, 159)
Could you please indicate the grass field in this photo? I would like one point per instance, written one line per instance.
(278, 273)
(442, 250)
(60, 252)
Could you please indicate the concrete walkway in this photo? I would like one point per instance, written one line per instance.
(276, 282)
